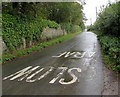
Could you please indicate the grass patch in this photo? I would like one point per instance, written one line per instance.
(39, 46)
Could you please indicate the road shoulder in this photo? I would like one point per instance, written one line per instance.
(110, 82)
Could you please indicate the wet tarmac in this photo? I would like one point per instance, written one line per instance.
(73, 67)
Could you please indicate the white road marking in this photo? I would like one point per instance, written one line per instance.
(75, 54)
(29, 79)
(19, 72)
(91, 54)
(26, 73)
(45, 74)
(59, 75)
(60, 55)
(61, 81)
(67, 55)
(79, 55)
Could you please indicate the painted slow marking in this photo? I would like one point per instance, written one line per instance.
(45, 74)
(69, 54)
(79, 55)
(24, 73)
(28, 70)
(29, 79)
(21, 72)
(75, 54)
(59, 75)
(91, 54)
(61, 81)
(41, 77)
(60, 55)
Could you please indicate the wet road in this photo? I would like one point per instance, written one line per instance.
(73, 67)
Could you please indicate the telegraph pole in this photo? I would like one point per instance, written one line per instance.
(91, 21)
(96, 13)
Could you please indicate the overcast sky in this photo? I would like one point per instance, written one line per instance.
(90, 9)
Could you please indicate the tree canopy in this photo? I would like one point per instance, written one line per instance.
(70, 12)
(108, 21)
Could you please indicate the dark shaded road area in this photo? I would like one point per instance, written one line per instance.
(73, 67)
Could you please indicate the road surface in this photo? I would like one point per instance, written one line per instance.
(73, 67)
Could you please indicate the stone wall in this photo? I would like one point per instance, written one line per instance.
(47, 34)
(3, 47)
(0, 46)
(50, 33)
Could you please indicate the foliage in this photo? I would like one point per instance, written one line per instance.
(69, 12)
(67, 27)
(108, 21)
(70, 28)
(111, 51)
(16, 28)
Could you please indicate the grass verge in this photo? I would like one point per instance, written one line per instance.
(39, 46)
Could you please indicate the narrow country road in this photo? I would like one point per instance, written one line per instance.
(73, 67)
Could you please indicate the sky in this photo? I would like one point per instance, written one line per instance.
(90, 9)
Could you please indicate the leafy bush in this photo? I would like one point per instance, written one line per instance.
(70, 28)
(111, 51)
(67, 27)
(15, 28)
(108, 21)
(76, 28)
